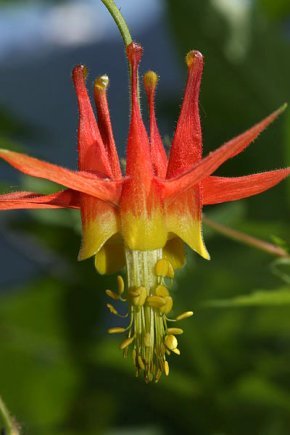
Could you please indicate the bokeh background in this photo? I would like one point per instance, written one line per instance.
(60, 373)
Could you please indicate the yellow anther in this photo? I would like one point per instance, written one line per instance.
(162, 291)
(138, 296)
(168, 305)
(112, 309)
(102, 83)
(170, 272)
(175, 331)
(134, 356)
(126, 342)
(184, 315)
(147, 340)
(121, 285)
(158, 375)
(176, 351)
(150, 80)
(171, 342)
(140, 362)
(161, 267)
(112, 295)
(116, 330)
(155, 301)
(166, 368)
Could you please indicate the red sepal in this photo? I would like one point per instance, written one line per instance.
(84, 182)
(222, 189)
(30, 200)
(215, 159)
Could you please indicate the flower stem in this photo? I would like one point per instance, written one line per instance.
(246, 239)
(9, 423)
(119, 20)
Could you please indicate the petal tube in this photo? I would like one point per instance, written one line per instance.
(104, 123)
(216, 158)
(186, 147)
(84, 182)
(223, 189)
(138, 148)
(91, 149)
(28, 200)
(158, 155)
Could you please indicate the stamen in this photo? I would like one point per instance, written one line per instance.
(112, 309)
(112, 295)
(185, 315)
(171, 342)
(121, 285)
(161, 268)
(126, 342)
(175, 331)
(116, 330)
(166, 368)
(150, 303)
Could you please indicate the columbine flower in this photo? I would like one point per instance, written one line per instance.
(141, 220)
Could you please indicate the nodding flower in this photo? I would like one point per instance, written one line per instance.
(139, 221)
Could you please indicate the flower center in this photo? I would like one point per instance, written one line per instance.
(148, 336)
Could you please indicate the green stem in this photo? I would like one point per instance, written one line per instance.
(246, 239)
(119, 20)
(8, 421)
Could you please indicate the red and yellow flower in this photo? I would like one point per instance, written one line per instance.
(141, 220)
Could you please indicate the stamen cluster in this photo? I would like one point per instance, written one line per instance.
(149, 299)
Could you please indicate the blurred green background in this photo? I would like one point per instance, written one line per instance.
(60, 373)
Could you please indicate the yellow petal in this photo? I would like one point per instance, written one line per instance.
(111, 257)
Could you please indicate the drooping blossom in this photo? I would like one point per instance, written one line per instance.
(139, 221)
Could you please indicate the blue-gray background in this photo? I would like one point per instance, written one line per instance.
(59, 372)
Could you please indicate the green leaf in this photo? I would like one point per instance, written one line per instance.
(278, 268)
(258, 298)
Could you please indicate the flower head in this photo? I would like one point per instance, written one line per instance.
(141, 220)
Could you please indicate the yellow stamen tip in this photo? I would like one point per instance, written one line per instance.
(171, 342)
(117, 330)
(176, 351)
(102, 83)
(175, 331)
(138, 295)
(121, 285)
(162, 291)
(141, 363)
(167, 307)
(155, 301)
(184, 315)
(150, 80)
(166, 368)
(112, 309)
(112, 295)
(161, 267)
(126, 342)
